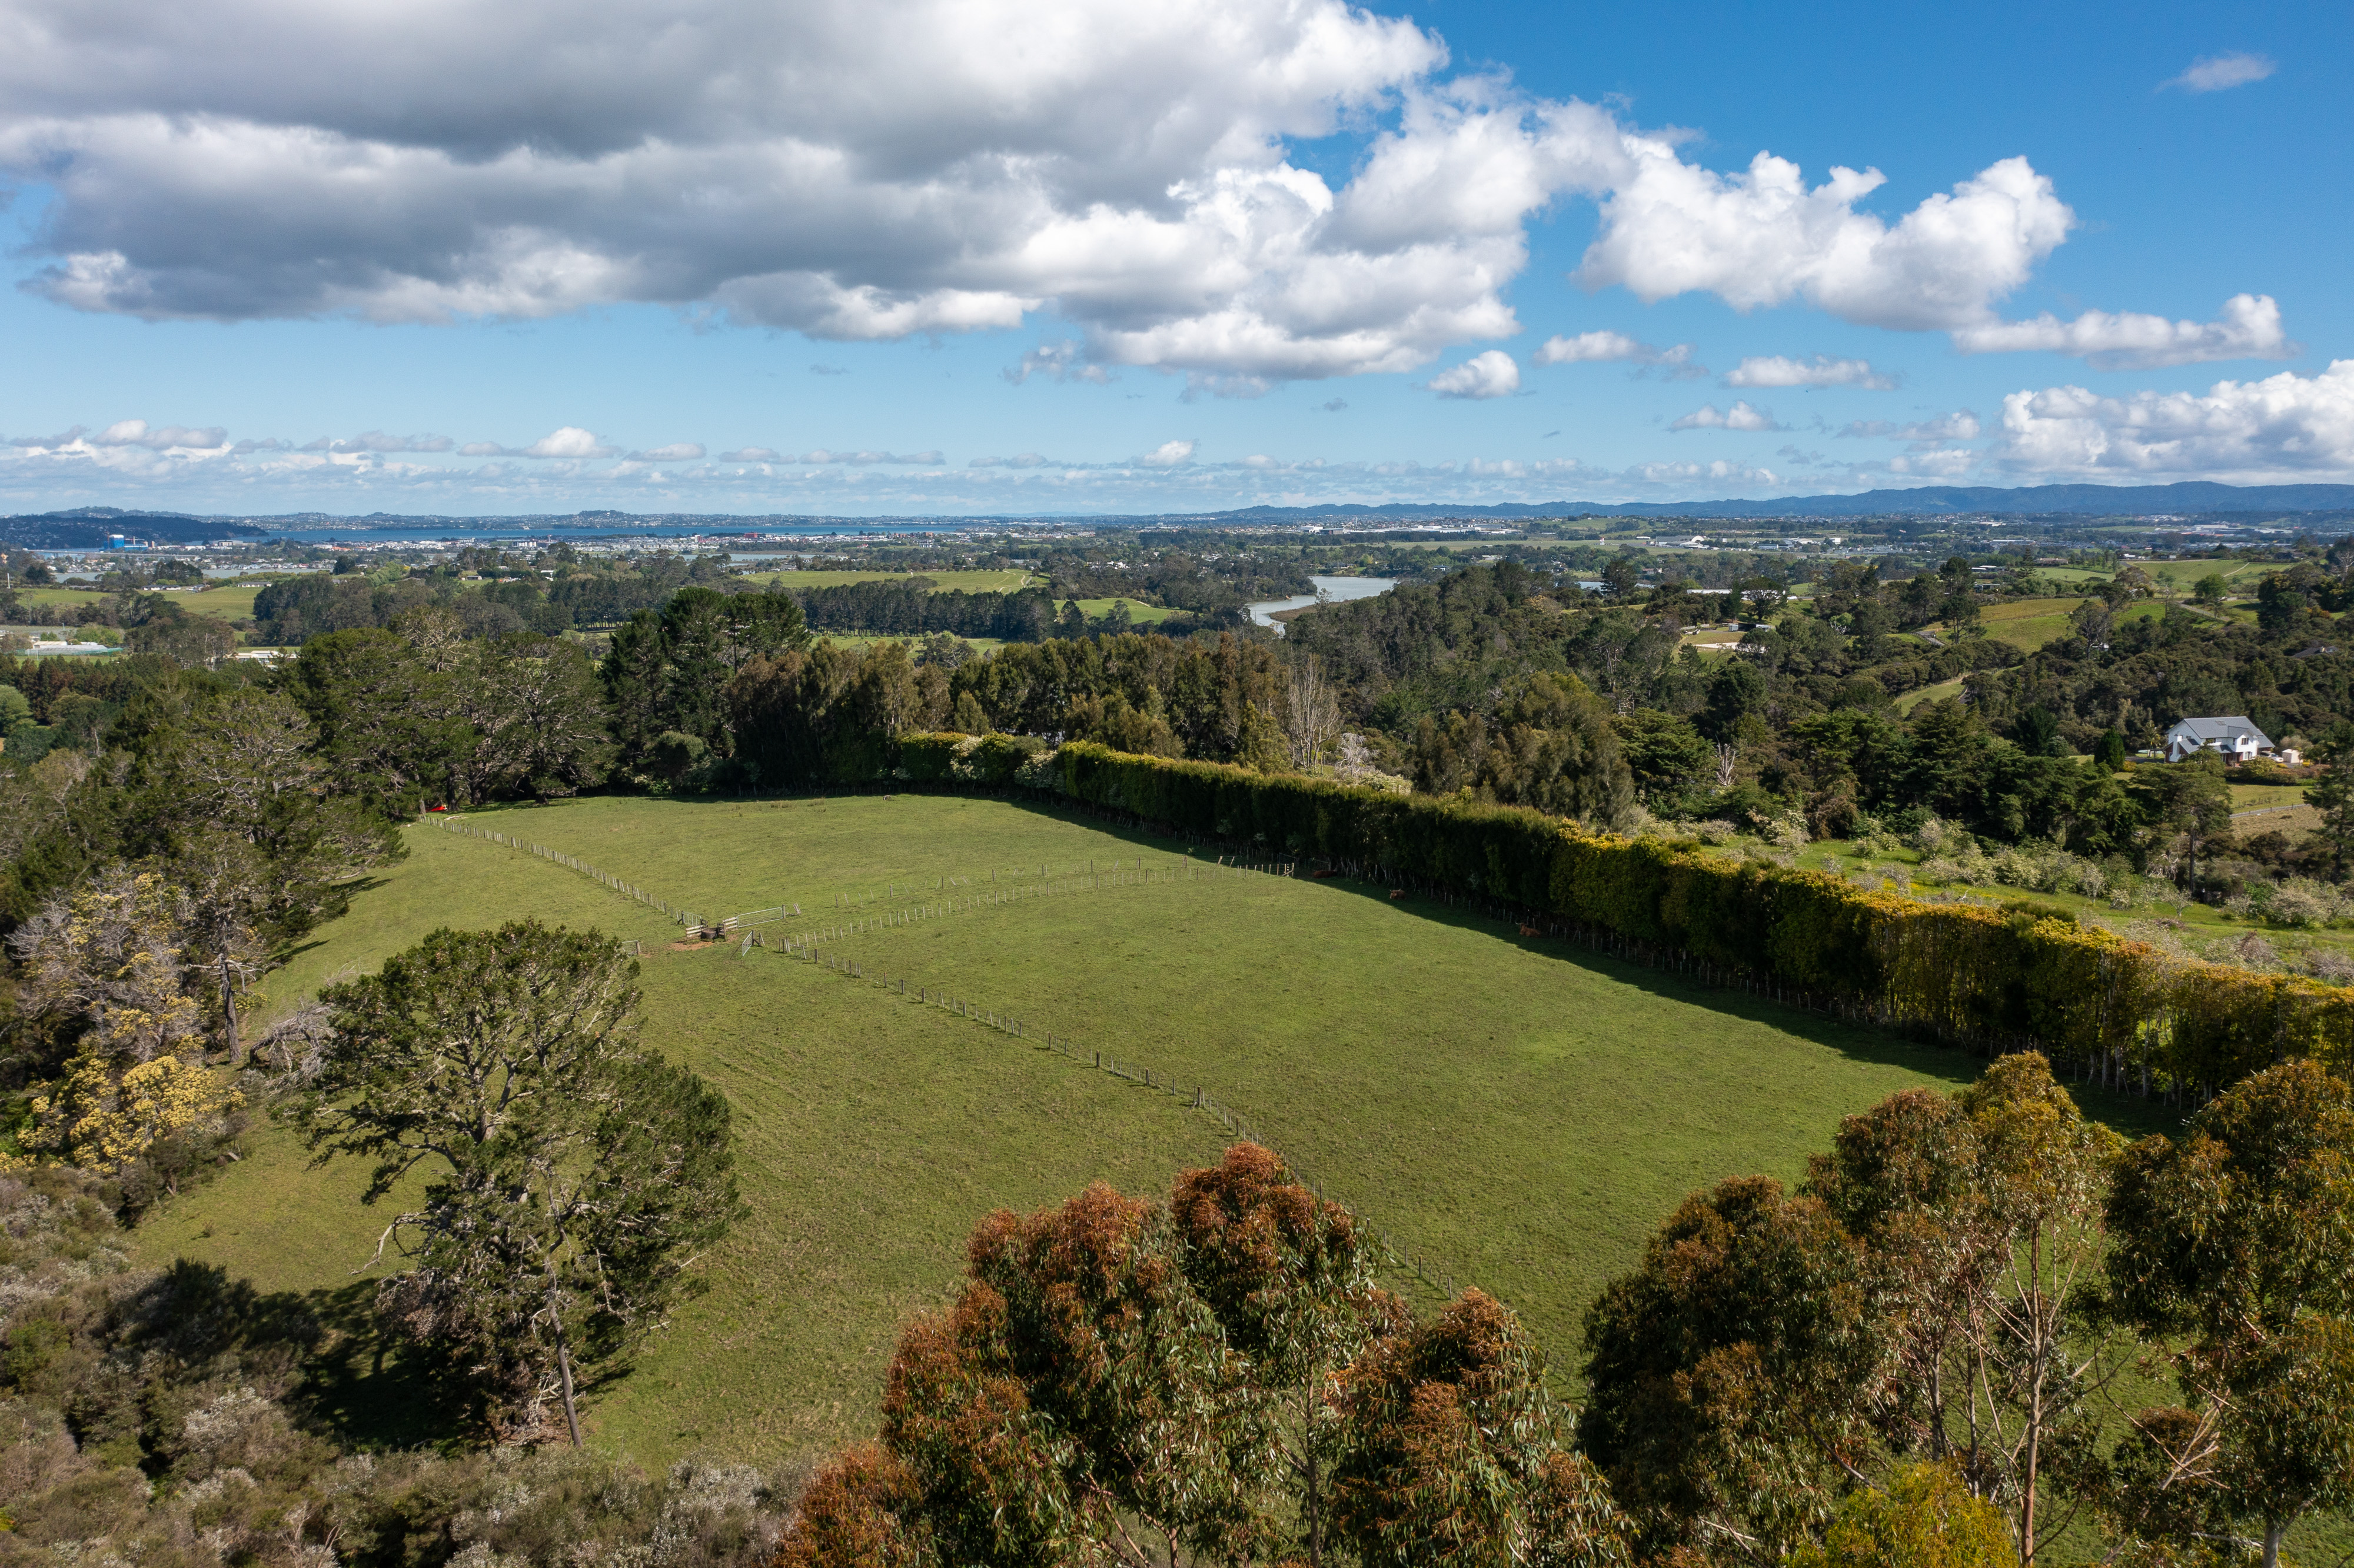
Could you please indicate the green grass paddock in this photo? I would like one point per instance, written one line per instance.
(1514, 1111)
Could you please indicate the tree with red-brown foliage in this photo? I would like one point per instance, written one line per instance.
(1218, 1381)
(1449, 1452)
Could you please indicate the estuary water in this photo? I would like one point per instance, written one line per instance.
(1335, 588)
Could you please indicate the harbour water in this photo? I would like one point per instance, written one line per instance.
(1328, 590)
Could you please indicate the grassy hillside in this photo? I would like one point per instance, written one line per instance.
(874, 1138)
(59, 595)
(1519, 1114)
(225, 603)
(1938, 692)
(1141, 613)
(869, 639)
(2028, 624)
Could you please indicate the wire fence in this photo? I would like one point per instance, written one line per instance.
(1002, 892)
(1194, 1096)
(1004, 888)
(463, 828)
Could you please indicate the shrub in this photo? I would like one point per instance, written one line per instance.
(2301, 902)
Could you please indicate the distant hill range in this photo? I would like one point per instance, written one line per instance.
(2186, 500)
(87, 528)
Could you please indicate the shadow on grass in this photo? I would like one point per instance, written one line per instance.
(370, 1389)
(352, 1379)
(2129, 1115)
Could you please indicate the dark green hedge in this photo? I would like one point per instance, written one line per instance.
(1960, 969)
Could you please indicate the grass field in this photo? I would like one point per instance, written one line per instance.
(59, 595)
(230, 603)
(1516, 1113)
(2283, 807)
(1141, 614)
(2028, 624)
(2251, 797)
(2181, 577)
(226, 603)
(869, 639)
(1938, 692)
(2241, 576)
(1005, 581)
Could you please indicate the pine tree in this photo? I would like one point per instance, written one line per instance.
(573, 1174)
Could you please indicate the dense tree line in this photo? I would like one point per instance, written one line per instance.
(490, 594)
(1212, 576)
(1491, 680)
(1801, 724)
(908, 607)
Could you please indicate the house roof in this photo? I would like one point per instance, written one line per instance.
(2228, 728)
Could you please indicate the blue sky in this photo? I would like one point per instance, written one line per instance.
(915, 256)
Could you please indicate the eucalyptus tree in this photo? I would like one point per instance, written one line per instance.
(2235, 1247)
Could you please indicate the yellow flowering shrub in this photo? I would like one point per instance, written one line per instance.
(92, 1118)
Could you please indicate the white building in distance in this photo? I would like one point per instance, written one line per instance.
(2233, 736)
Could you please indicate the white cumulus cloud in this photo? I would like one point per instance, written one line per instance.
(2216, 72)
(911, 167)
(1778, 370)
(1168, 454)
(1494, 373)
(677, 452)
(157, 437)
(1682, 475)
(1057, 361)
(1604, 347)
(1763, 236)
(2248, 328)
(1740, 417)
(2285, 429)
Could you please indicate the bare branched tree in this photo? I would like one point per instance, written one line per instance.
(1312, 712)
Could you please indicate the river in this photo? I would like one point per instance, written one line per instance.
(1333, 588)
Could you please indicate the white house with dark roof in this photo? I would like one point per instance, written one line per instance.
(2234, 736)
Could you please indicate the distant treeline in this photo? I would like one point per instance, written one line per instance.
(291, 612)
(908, 607)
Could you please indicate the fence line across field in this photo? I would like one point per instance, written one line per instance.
(1075, 879)
(2110, 1071)
(571, 863)
(1197, 1097)
(1169, 872)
